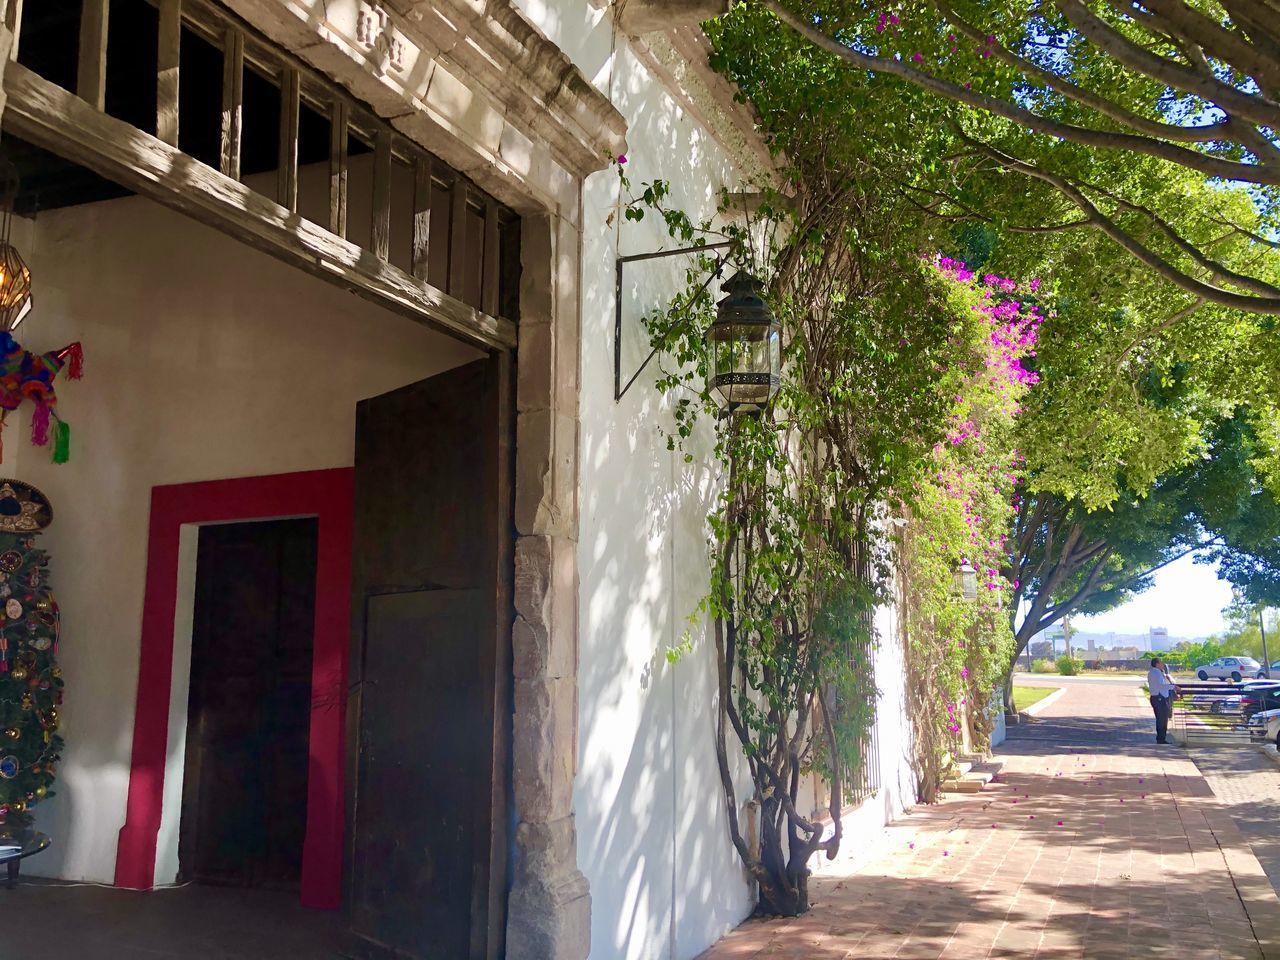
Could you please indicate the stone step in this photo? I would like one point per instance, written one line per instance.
(974, 778)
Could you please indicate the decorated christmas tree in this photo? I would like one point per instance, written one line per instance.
(30, 679)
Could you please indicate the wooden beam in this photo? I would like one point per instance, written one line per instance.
(489, 280)
(290, 105)
(380, 243)
(338, 168)
(91, 77)
(50, 117)
(13, 20)
(421, 215)
(232, 101)
(457, 236)
(167, 62)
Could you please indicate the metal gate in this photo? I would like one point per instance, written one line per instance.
(1221, 714)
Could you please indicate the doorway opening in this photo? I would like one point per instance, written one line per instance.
(244, 803)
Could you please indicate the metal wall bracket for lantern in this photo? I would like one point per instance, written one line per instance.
(619, 388)
(744, 342)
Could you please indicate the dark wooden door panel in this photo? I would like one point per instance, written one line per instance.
(415, 837)
(249, 709)
(428, 719)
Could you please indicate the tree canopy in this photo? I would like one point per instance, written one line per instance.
(1152, 124)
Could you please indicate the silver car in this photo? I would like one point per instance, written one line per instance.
(1266, 726)
(1231, 668)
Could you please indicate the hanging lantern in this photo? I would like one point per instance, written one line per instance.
(15, 285)
(15, 275)
(744, 348)
(964, 582)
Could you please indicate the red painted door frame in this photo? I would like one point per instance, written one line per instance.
(326, 494)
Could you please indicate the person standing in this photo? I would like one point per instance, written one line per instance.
(1162, 690)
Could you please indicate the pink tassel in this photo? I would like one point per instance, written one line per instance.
(40, 424)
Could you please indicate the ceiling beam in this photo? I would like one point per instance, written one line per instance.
(56, 120)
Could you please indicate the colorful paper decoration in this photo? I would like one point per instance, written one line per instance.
(29, 376)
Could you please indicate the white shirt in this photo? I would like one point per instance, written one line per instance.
(1158, 683)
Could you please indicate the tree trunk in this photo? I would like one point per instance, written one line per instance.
(784, 886)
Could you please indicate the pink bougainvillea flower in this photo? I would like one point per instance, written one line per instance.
(946, 853)
(622, 158)
(917, 57)
(1031, 817)
(1059, 823)
(911, 846)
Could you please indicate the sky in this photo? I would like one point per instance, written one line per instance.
(1187, 599)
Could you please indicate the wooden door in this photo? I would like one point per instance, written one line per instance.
(249, 709)
(429, 716)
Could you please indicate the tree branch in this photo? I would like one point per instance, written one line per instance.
(1087, 136)
(1216, 40)
(1194, 133)
(1226, 298)
(1250, 107)
(1164, 325)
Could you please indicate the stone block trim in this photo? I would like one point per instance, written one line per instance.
(549, 908)
(477, 84)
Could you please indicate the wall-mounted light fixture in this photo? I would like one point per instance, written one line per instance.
(744, 343)
(15, 275)
(964, 581)
(744, 347)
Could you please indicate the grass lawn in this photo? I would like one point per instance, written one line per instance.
(1024, 697)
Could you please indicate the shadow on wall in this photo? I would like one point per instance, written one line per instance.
(652, 837)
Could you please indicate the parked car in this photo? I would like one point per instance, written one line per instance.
(1275, 668)
(1255, 696)
(1265, 725)
(1231, 668)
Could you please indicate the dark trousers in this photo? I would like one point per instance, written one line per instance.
(1163, 706)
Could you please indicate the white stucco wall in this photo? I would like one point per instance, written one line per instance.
(652, 837)
(204, 360)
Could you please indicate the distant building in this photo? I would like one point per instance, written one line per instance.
(1118, 653)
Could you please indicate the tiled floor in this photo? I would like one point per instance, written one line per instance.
(1094, 844)
(66, 922)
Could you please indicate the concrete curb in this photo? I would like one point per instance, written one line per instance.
(1039, 705)
(1269, 751)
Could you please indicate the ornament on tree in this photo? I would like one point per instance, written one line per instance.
(29, 376)
(30, 679)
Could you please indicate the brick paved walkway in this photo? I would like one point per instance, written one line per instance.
(1090, 847)
(1249, 785)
